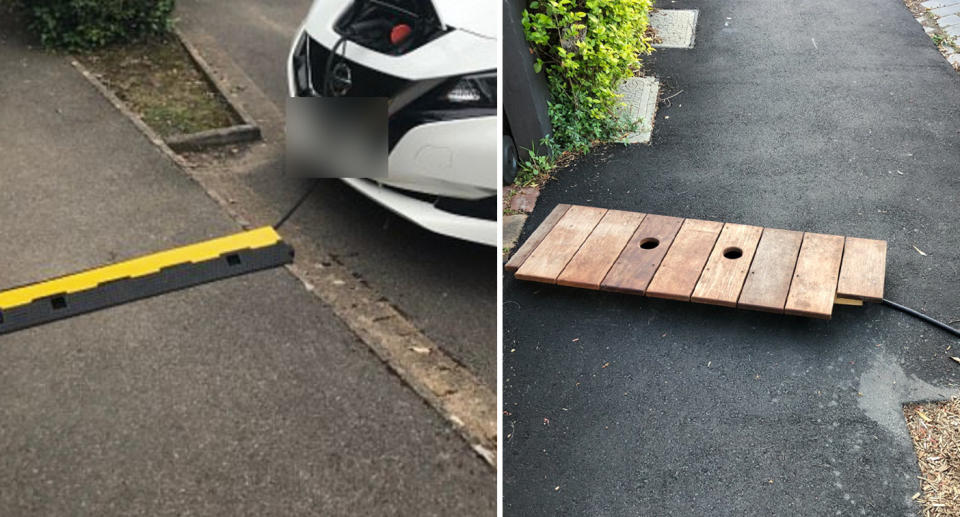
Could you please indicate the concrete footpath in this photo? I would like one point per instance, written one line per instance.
(828, 117)
(242, 397)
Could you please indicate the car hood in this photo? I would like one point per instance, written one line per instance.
(463, 51)
(470, 15)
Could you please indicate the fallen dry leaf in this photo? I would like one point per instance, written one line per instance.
(420, 349)
(605, 365)
(920, 251)
(957, 359)
(936, 440)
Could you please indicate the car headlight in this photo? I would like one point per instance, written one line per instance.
(478, 90)
(467, 96)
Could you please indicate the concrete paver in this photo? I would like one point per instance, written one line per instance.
(525, 199)
(639, 103)
(948, 21)
(676, 28)
(512, 226)
(935, 4)
(946, 10)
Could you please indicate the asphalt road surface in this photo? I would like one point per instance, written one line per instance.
(819, 116)
(445, 286)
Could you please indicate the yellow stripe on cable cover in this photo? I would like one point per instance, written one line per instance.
(148, 264)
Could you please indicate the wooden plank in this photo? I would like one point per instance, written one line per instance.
(641, 257)
(814, 285)
(726, 269)
(681, 266)
(549, 258)
(590, 264)
(863, 269)
(847, 301)
(771, 272)
(536, 238)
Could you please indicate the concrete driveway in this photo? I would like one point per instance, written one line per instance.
(791, 116)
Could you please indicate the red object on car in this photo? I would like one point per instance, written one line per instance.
(400, 32)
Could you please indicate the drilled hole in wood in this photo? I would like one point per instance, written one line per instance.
(733, 253)
(649, 243)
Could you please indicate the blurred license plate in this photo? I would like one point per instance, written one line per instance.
(337, 137)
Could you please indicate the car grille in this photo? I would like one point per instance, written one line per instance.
(367, 82)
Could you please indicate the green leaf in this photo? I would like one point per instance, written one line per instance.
(609, 39)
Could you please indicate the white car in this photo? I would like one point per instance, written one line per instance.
(436, 63)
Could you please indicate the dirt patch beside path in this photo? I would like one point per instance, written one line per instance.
(160, 82)
(935, 428)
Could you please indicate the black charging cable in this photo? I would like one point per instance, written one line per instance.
(328, 69)
(921, 316)
(278, 224)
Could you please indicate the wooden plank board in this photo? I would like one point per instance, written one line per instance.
(726, 269)
(863, 269)
(814, 285)
(634, 269)
(549, 258)
(536, 238)
(771, 272)
(687, 259)
(590, 264)
(684, 261)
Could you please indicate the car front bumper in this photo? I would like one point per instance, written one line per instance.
(434, 161)
(426, 214)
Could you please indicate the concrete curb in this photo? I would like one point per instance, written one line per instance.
(214, 137)
(247, 132)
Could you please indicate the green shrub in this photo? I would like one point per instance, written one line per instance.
(88, 24)
(586, 47)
